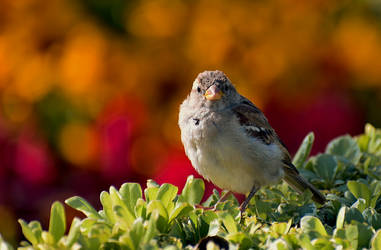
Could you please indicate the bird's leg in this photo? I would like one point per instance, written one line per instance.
(244, 204)
(222, 199)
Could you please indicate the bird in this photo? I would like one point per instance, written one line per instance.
(230, 142)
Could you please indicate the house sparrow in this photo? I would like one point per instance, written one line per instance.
(230, 142)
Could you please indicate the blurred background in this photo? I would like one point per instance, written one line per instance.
(90, 89)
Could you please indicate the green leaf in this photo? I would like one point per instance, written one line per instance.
(74, 232)
(28, 233)
(325, 167)
(376, 241)
(305, 241)
(353, 214)
(150, 229)
(214, 227)
(140, 208)
(304, 150)
(166, 194)
(323, 243)
(36, 229)
(107, 206)
(279, 244)
(360, 190)
(125, 220)
(229, 222)
(240, 238)
(152, 183)
(311, 223)
(99, 231)
(86, 224)
(346, 147)
(128, 215)
(136, 234)
(83, 206)
(47, 238)
(280, 228)
(363, 142)
(360, 204)
(57, 222)
(375, 189)
(158, 207)
(263, 208)
(352, 234)
(341, 218)
(130, 193)
(372, 217)
(151, 193)
(193, 191)
(181, 209)
(365, 235)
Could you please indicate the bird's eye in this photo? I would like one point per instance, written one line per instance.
(226, 88)
(198, 89)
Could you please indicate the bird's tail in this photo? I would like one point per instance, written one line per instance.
(299, 184)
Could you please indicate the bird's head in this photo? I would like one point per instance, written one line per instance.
(213, 89)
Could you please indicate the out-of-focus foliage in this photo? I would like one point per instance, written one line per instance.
(90, 89)
(277, 218)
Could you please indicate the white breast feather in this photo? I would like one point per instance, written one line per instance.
(222, 152)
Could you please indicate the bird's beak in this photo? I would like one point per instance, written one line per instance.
(213, 93)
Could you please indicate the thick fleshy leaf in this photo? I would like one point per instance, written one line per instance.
(150, 193)
(157, 206)
(193, 191)
(360, 190)
(130, 193)
(141, 208)
(279, 244)
(346, 147)
(36, 229)
(372, 217)
(240, 238)
(263, 208)
(166, 194)
(365, 235)
(181, 209)
(28, 233)
(376, 241)
(325, 167)
(125, 219)
(311, 223)
(360, 204)
(83, 206)
(107, 206)
(304, 150)
(341, 218)
(48, 238)
(229, 222)
(74, 232)
(280, 228)
(57, 222)
(151, 228)
(136, 233)
(353, 214)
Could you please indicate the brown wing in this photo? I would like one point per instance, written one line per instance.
(256, 125)
(254, 122)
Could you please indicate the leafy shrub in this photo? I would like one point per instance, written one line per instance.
(348, 172)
